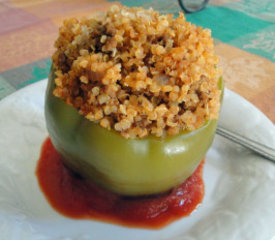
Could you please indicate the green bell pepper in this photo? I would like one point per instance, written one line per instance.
(125, 166)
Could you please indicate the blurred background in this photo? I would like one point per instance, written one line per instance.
(244, 33)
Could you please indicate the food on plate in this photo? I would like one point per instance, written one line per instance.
(133, 99)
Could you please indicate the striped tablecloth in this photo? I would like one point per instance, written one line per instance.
(244, 32)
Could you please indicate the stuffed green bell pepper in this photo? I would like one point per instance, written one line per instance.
(124, 166)
(123, 92)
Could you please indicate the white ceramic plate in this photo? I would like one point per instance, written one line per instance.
(239, 202)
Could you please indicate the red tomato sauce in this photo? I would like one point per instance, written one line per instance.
(77, 198)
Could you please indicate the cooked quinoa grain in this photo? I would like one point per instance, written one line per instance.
(138, 72)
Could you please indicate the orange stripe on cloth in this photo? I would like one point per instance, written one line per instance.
(61, 9)
(27, 44)
(249, 75)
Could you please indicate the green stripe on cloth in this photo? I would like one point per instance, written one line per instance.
(5, 88)
(132, 3)
(27, 74)
(238, 29)
(227, 24)
(262, 43)
(264, 10)
(164, 7)
(38, 73)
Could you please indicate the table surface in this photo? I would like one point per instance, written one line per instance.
(244, 33)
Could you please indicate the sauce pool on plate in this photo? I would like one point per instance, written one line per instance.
(77, 198)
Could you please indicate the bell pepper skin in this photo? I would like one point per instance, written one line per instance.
(125, 166)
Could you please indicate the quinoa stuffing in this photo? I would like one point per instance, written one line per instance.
(138, 72)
